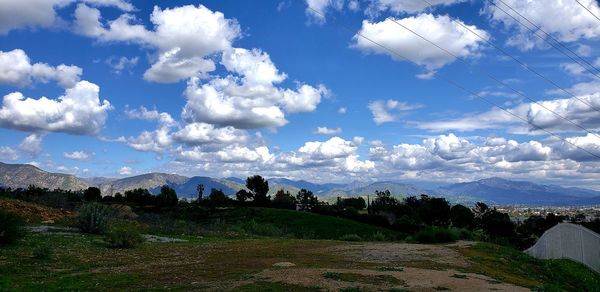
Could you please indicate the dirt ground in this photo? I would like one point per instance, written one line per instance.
(403, 253)
(401, 267)
(33, 212)
(409, 279)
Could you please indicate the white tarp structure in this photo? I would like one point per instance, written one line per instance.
(570, 241)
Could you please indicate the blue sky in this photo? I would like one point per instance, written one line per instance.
(291, 89)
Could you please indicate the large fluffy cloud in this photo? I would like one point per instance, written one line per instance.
(185, 37)
(441, 30)
(250, 98)
(16, 69)
(449, 153)
(575, 22)
(79, 111)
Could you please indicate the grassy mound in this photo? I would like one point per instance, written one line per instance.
(513, 266)
(301, 224)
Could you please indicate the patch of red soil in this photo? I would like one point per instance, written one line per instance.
(33, 212)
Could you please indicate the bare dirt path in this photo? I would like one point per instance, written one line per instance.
(393, 266)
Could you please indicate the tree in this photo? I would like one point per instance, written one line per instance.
(243, 196)
(167, 197)
(140, 196)
(92, 194)
(217, 197)
(497, 224)
(306, 200)
(480, 209)
(284, 200)
(462, 217)
(259, 187)
(384, 202)
(200, 191)
(356, 203)
(434, 211)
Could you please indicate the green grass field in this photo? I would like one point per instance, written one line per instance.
(302, 225)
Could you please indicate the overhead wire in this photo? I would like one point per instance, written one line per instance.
(547, 35)
(493, 77)
(521, 63)
(461, 87)
(588, 10)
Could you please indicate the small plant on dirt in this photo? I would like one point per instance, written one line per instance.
(379, 236)
(43, 252)
(390, 269)
(332, 275)
(124, 234)
(11, 228)
(95, 217)
(351, 237)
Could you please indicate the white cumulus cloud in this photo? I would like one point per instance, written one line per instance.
(79, 111)
(16, 69)
(575, 23)
(441, 30)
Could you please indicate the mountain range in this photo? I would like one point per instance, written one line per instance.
(491, 190)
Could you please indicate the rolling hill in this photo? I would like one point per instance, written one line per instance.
(23, 175)
(492, 190)
(502, 191)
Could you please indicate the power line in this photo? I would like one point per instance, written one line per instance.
(459, 86)
(584, 7)
(493, 78)
(548, 35)
(523, 64)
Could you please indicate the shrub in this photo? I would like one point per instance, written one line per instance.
(124, 234)
(465, 234)
(332, 275)
(435, 235)
(379, 236)
(462, 217)
(263, 229)
(95, 217)
(11, 228)
(351, 237)
(43, 252)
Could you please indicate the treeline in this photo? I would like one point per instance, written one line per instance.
(411, 215)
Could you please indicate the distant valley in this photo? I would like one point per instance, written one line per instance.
(492, 190)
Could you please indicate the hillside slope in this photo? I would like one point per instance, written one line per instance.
(23, 175)
(151, 181)
(502, 191)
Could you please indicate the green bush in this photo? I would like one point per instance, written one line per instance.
(262, 229)
(95, 217)
(11, 228)
(43, 252)
(379, 236)
(351, 237)
(332, 275)
(124, 234)
(435, 235)
(465, 234)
